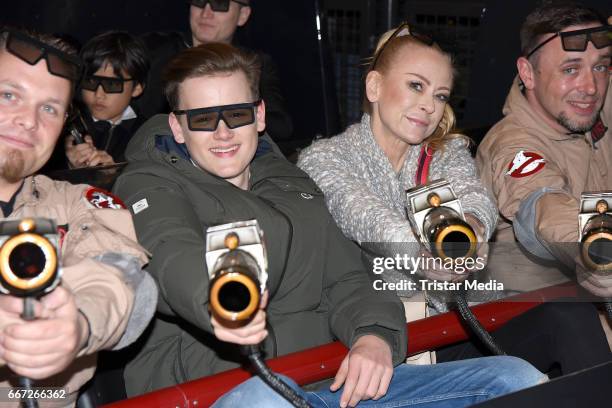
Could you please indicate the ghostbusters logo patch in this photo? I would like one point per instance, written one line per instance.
(525, 164)
(100, 198)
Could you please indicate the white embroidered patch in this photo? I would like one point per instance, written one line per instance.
(525, 164)
(139, 206)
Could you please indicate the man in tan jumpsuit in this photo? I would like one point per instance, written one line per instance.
(98, 304)
(554, 143)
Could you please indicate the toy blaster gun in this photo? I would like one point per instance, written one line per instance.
(595, 223)
(437, 218)
(238, 272)
(75, 125)
(28, 267)
(28, 259)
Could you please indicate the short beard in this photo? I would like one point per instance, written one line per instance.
(574, 127)
(11, 166)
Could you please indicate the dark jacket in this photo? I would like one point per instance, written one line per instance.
(319, 289)
(112, 138)
(163, 47)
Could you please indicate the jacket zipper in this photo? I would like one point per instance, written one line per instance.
(111, 132)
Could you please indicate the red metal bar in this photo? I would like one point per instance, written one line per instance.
(322, 362)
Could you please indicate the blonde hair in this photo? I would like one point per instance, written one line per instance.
(382, 60)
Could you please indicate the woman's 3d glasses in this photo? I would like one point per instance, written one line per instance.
(402, 31)
(216, 5)
(31, 50)
(109, 84)
(578, 40)
(207, 119)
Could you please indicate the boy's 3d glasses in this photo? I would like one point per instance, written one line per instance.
(109, 84)
(31, 50)
(207, 119)
(216, 5)
(578, 40)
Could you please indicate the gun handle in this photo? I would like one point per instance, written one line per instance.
(28, 308)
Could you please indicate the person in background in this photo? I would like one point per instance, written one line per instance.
(215, 21)
(116, 69)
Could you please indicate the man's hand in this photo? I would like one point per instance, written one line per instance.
(366, 371)
(43, 347)
(253, 333)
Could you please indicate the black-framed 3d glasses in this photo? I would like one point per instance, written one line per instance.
(578, 40)
(402, 31)
(207, 119)
(216, 5)
(109, 84)
(31, 50)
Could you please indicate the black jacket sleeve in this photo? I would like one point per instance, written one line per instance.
(355, 307)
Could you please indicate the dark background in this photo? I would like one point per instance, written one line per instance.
(483, 35)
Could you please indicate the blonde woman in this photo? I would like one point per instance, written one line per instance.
(405, 133)
(365, 171)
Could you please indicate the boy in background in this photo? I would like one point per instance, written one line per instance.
(116, 68)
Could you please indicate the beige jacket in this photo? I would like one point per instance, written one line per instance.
(101, 291)
(569, 165)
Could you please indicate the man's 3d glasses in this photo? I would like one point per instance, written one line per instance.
(216, 5)
(31, 50)
(207, 119)
(578, 40)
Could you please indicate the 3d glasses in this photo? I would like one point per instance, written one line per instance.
(402, 31)
(216, 5)
(31, 50)
(578, 40)
(207, 119)
(109, 84)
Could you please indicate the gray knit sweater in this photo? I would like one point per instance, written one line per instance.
(367, 197)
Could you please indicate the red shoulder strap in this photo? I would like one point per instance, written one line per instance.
(425, 158)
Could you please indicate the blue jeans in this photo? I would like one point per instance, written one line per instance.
(445, 385)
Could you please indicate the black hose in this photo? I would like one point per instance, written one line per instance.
(267, 376)
(25, 382)
(470, 319)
